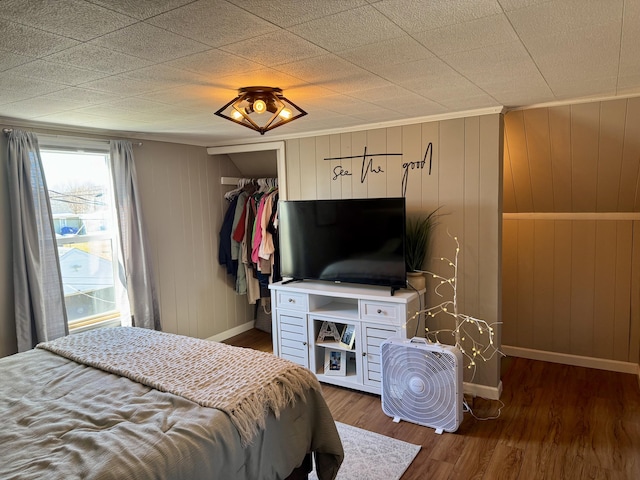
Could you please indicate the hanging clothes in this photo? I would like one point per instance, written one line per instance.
(248, 237)
(253, 286)
(224, 246)
(272, 229)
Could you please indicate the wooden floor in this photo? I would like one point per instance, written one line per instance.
(558, 422)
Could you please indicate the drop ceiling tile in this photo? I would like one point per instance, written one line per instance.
(307, 91)
(163, 76)
(435, 13)
(130, 105)
(350, 29)
(361, 109)
(522, 99)
(508, 5)
(36, 107)
(149, 42)
(190, 96)
(601, 85)
(374, 114)
(629, 58)
(466, 36)
(115, 115)
(16, 87)
(174, 112)
(444, 88)
(74, 118)
(213, 23)
(24, 40)
(460, 103)
(355, 83)
(525, 91)
(79, 97)
(89, 20)
(563, 56)
(265, 76)
(484, 65)
(274, 48)
(212, 62)
(629, 85)
(208, 120)
(56, 72)
(142, 9)
(415, 104)
(388, 52)
(383, 93)
(561, 16)
(8, 60)
(118, 85)
(97, 58)
(287, 13)
(422, 71)
(333, 102)
(320, 70)
(322, 115)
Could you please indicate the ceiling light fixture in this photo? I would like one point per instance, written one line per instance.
(252, 104)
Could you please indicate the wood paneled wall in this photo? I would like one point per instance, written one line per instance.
(571, 269)
(573, 158)
(454, 165)
(183, 205)
(568, 287)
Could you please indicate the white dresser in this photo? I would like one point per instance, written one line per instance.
(301, 308)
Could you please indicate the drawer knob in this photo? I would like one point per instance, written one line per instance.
(379, 311)
(304, 343)
(291, 300)
(364, 354)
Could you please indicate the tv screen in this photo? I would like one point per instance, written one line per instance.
(353, 241)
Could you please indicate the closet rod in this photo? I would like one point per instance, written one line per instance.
(233, 180)
(229, 180)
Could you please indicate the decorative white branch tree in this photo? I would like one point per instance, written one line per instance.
(472, 336)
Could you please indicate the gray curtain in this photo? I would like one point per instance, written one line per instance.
(39, 297)
(136, 254)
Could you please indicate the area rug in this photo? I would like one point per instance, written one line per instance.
(371, 456)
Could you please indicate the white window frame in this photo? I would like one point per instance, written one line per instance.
(120, 316)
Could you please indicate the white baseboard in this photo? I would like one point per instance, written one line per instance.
(483, 391)
(232, 332)
(575, 360)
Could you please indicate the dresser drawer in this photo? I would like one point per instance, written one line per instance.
(380, 311)
(291, 301)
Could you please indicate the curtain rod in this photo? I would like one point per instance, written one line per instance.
(7, 131)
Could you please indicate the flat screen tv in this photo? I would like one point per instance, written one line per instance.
(352, 240)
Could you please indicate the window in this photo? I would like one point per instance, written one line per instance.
(84, 220)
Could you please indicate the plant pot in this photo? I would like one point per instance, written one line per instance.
(417, 280)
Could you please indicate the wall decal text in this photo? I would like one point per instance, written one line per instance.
(368, 166)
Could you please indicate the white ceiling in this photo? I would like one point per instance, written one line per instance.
(160, 68)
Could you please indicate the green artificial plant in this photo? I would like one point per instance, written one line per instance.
(418, 236)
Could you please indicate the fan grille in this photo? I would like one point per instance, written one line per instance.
(421, 386)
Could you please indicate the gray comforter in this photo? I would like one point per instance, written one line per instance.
(64, 420)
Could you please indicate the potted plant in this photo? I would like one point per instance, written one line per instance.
(418, 236)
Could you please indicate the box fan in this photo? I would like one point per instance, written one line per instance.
(422, 383)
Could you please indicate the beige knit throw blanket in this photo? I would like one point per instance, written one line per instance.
(246, 384)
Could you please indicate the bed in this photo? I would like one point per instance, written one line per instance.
(131, 403)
